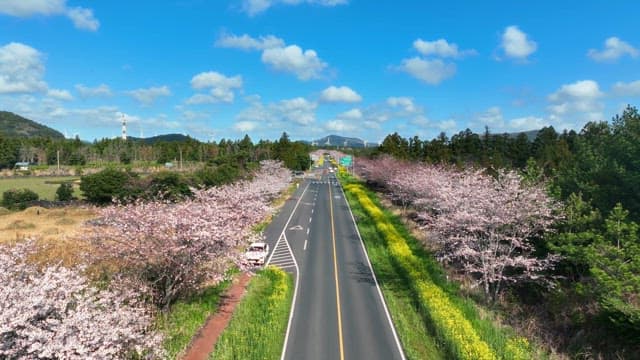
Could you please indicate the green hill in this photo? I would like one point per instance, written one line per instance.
(12, 125)
(162, 138)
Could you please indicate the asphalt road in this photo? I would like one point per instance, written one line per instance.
(338, 312)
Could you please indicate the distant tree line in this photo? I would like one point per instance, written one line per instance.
(74, 152)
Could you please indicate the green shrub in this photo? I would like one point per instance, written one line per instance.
(169, 185)
(64, 192)
(18, 198)
(107, 185)
(217, 175)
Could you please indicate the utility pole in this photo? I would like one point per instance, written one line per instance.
(58, 158)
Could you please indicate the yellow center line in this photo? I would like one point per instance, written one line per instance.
(335, 267)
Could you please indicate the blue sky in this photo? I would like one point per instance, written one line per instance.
(225, 68)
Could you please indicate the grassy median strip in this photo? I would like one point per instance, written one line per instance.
(186, 317)
(259, 323)
(454, 322)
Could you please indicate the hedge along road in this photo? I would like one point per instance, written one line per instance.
(338, 310)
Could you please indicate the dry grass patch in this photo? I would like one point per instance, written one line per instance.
(56, 231)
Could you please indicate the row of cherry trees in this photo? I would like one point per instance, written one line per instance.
(176, 247)
(161, 251)
(486, 224)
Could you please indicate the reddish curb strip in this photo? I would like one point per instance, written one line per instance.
(205, 341)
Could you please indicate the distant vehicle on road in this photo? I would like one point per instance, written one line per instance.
(257, 253)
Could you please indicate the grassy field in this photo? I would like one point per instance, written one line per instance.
(259, 323)
(45, 187)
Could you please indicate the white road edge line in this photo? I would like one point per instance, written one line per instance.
(375, 279)
(295, 291)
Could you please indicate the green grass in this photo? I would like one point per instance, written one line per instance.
(45, 187)
(501, 339)
(259, 323)
(186, 317)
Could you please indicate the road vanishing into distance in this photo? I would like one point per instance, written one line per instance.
(338, 311)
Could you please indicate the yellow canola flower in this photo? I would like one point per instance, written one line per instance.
(447, 318)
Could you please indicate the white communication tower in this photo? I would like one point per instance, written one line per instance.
(124, 127)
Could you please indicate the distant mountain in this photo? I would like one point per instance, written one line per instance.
(12, 125)
(340, 141)
(161, 138)
(531, 134)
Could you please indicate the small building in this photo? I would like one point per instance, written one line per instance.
(22, 166)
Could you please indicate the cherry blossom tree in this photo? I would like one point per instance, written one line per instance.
(176, 247)
(487, 225)
(53, 313)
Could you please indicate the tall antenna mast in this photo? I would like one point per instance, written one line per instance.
(124, 127)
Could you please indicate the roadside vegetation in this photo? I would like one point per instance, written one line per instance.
(182, 322)
(153, 265)
(584, 303)
(259, 323)
(455, 323)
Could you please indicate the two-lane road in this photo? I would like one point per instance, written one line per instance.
(338, 311)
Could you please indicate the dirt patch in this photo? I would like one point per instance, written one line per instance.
(204, 343)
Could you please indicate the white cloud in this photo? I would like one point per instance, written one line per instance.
(579, 97)
(429, 71)
(60, 94)
(304, 64)
(440, 48)
(21, 69)
(148, 96)
(447, 125)
(583, 89)
(353, 114)
(199, 99)
(421, 121)
(277, 55)
(627, 89)
(101, 90)
(221, 87)
(246, 42)
(254, 7)
(406, 103)
(614, 49)
(25, 8)
(528, 123)
(492, 118)
(246, 126)
(516, 44)
(339, 125)
(82, 18)
(298, 111)
(340, 94)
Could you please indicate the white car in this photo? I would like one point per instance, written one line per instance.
(257, 253)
